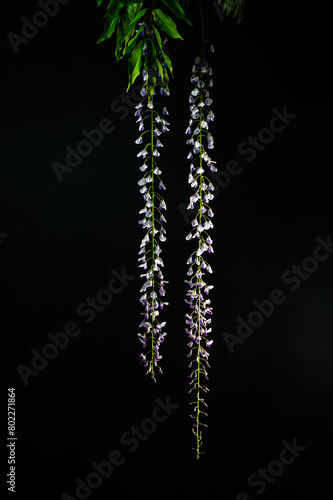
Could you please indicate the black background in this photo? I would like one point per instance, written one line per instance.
(64, 239)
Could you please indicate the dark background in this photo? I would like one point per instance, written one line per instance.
(65, 238)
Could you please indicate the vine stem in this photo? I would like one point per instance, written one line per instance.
(199, 309)
(202, 27)
(153, 218)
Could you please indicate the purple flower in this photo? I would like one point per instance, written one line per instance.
(198, 268)
(149, 259)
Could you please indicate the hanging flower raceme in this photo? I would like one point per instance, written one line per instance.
(198, 320)
(139, 29)
(152, 124)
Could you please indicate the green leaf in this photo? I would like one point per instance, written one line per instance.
(163, 70)
(124, 34)
(135, 63)
(133, 9)
(165, 78)
(110, 22)
(121, 28)
(160, 68)
(132, 25)
(177, 10)
(236, 6)
(127, 33)
(158, 62)
(150, 67)
(112, 4)
(130, 46)
(163, 50)
(239, 11)
(115, 3)
(166, 23)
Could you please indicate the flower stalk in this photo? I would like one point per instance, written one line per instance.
(153, 122)
(198, 320)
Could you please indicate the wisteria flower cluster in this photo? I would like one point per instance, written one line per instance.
(140, 28)
(154, 124)
(198, 320)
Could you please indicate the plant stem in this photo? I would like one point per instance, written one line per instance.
(199, 305)
(202, 27)
(153, 218)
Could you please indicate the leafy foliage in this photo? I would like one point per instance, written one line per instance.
(176, 9)
(235, 6)
(138, 26)
(166, 23)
